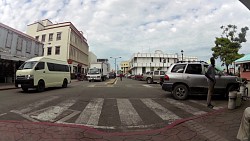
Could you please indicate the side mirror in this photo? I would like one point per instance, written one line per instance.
(36, 68)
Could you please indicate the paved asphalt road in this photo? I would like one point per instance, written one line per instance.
(127, 105)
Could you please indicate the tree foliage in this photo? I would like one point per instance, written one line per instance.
(227, 46)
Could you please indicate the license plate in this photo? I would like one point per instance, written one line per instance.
(19, 85)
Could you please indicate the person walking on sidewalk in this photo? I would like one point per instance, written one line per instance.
(121, 76)
(210, 74)
(243, 133)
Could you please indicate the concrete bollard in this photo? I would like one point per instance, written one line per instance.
(232, 100)
(238, 99)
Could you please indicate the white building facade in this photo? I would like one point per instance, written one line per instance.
(15, 48)
(64, 42)
(143, 62)
(92, 58)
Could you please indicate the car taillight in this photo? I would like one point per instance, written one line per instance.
(166, 77)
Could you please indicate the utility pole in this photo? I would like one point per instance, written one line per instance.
(115, 62)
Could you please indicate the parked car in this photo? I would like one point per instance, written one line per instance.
(188, 78)
(139, 77)
(144, 76)
(112, 75)
(153, 76)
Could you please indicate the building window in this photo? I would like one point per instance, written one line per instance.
(168, 60)
(57, 51)
(9, 39)
(43, 38)
(49, 50)
(58, 35)
(37, 37)
(160, 59)
(51, 37)
(36, 48)
(19, 43)
(28, 46)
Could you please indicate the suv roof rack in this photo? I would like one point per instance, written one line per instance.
(191, 62)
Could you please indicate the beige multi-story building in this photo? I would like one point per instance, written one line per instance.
(62, 41)
(125, 66)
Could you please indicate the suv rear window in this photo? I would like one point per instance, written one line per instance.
(194, 69)
(156, 73)
(162, 72)
(179, 68)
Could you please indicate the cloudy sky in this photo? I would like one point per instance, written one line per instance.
(123, 27)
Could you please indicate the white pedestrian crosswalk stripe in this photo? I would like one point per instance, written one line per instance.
(34, 105)
(128, 114)
(185, 107)
(148, 86)
(50, 113)
(91, 114)
(162, 112)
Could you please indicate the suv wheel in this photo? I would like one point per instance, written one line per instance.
(149, 80)
(180, 92)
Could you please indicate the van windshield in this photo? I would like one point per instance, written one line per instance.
(94, 71)
(27, 65)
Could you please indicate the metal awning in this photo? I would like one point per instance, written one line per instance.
(13, 58)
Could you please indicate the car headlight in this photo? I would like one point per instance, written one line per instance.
(29, 76)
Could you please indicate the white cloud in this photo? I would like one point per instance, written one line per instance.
(123, 27)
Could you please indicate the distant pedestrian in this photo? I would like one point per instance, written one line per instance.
(210, 74)
(121, 77)
(243, 133)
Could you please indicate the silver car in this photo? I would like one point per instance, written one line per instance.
(153, 76)
(183, 79)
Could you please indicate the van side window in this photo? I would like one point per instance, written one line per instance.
(58, 67)
(40, 66)
(50, 66)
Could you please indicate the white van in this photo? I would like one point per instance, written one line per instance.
(42, 72)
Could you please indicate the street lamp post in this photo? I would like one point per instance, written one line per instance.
(115, 61)
(182, 55)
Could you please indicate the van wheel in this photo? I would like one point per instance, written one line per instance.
(180, 92)
(149, 80)
(25, 89)
(40, 86)
(65, 83)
